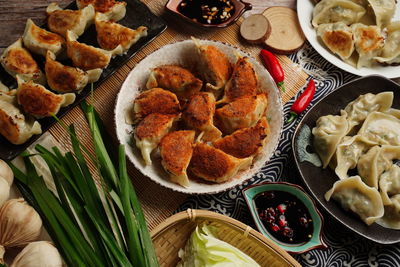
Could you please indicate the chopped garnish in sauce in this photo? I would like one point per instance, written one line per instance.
(207, 11)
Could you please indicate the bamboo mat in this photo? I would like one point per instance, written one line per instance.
(158, 202)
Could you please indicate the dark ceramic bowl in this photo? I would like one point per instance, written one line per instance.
(240, 8)
(317, 180)
(251, 192)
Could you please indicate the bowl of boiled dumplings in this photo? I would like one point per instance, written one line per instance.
(359, 36)
(199, 116)
(347, 149)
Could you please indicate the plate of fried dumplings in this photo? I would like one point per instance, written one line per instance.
(199, 116)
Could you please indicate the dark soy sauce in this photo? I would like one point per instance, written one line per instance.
(207, 11)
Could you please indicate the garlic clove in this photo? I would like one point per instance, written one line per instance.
(4, 190)
(6, 172)
(38, 254)
(19, 223)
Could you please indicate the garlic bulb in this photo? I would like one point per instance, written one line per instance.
(4, 190)
(6, 172)
(19, 224)
(38, 254)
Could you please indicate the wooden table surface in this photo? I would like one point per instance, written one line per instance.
(13, 14)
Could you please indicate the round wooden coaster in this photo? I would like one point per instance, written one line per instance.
(255, 29)
(286, 34)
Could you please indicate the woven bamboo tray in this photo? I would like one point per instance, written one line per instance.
(172, 234)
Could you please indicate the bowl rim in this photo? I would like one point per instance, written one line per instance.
(313, 210)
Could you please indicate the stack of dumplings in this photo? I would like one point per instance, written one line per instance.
(33, 100)
(207, 127)
(360, 32)
(362, 146)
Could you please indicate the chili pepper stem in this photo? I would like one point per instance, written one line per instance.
(281, 85)
(292, 116)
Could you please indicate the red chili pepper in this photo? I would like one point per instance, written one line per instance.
(274, 68)
(303, 101)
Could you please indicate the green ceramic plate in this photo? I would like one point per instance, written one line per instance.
(316, 241)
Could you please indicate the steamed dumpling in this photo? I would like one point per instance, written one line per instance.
(381, 128)
(176, 79)
(115, 10)
(149, 132)
(331, 11)
(389, 183)
(371, 165)
(391, 218)
(214, 165)
(369, 42)
(62, 20)
(176, 149)
(88, 57)
(338, 37)
(361, 199)
(243, 112)
(111, 34)
(16, 60)
(391, 51)
(64, 79)
(36, 100)
(384, 11)
(14, 125)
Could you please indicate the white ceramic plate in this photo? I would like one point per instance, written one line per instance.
(183, 53)
(304, 11)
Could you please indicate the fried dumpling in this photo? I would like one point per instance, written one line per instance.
(14, 126)
(214, 65)
(36, 100)
(149, 132)
(245, 142)
(241, 113)
(338, 37)
(199, 114)
(391, 51)
(111, 34)
(369, 42)
(176, 79)
(156, 100)
(38, 40)
(16, 60)
(64, 79)
(214, 165)
(176, 149)
(243, 81)
(62, 20)
(331, 11)
(88, 57)
(384, 11)
(115, 10)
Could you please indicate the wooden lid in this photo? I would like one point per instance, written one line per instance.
(255, 29)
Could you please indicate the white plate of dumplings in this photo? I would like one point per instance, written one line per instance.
(184, 54)
(333, 15)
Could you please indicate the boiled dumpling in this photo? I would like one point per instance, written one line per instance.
(383, 10)
(199, 115)
(149, 132)
(245, 142)
(36, 100)
(39, 41)
(14, 126)
(62, 20)
(243, 81)
(16, 60)
(369, 42)
(242, 113)
(155, 100)
(214, 165)
(391, 51)
(371, 165)
(381, 128)
(328, 133)
(362, 106)
(389, 183)
(214, 65)
(361, 199)
(338, 37)
(66, 79)
(391, 218)
(88, 57)
(330, 11)
(176, 149)
(176, 79)
(115, 10)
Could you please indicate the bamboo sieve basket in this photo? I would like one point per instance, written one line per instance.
(172, 234)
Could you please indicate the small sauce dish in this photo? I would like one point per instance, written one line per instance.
(285, 213)
(208, 13)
